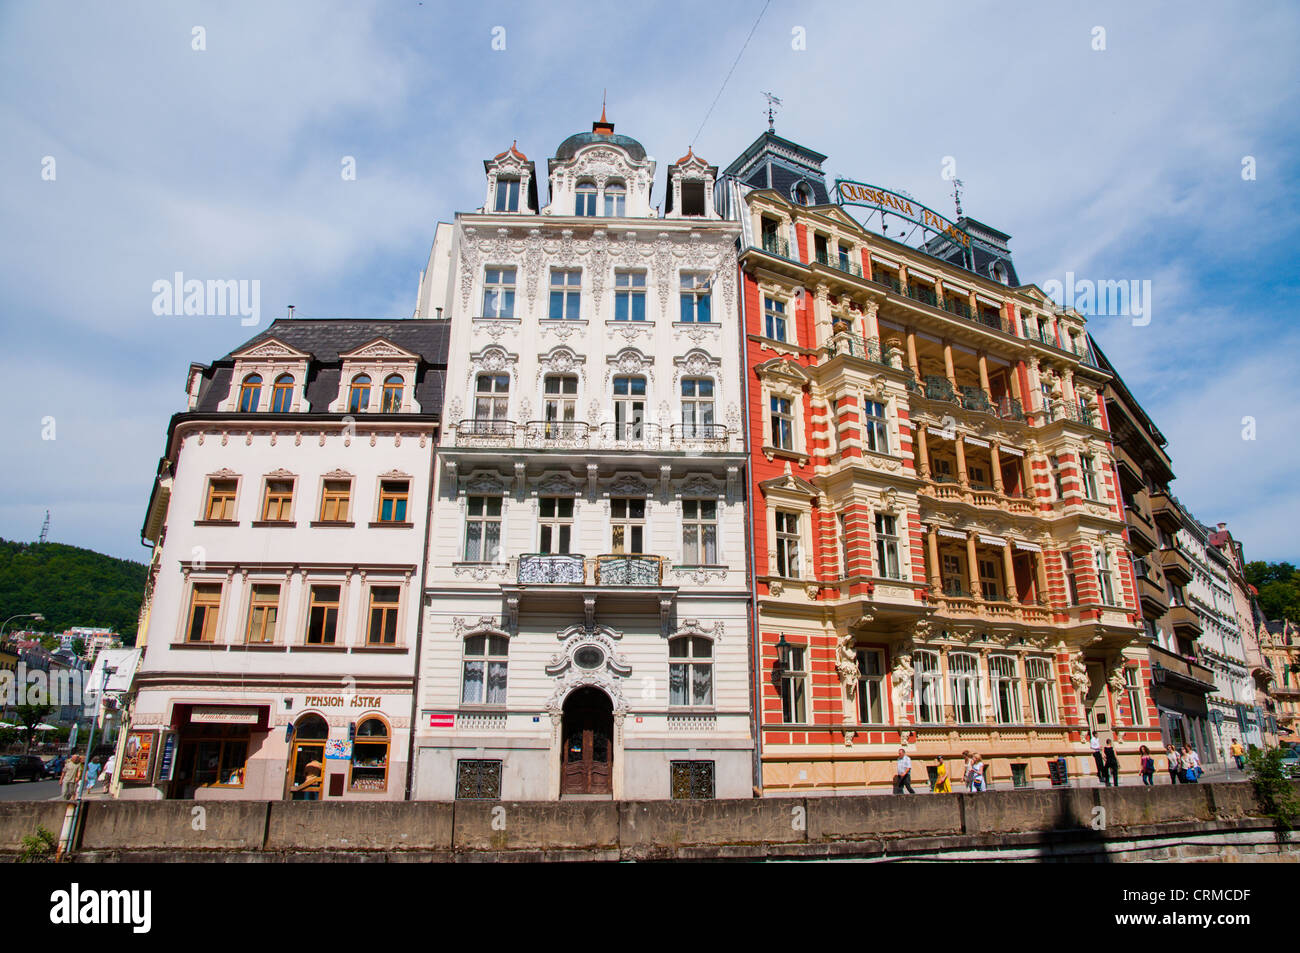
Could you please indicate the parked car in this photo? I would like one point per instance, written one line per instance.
(6, 771)
(1291, 762)
(54, 767)
(25, 766)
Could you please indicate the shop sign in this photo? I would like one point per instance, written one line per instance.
(883, 200)
(338, 749)
(342, 701)
(136, 755)
(210, 715)
(168, 757)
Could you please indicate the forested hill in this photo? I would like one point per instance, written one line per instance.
(69, 586)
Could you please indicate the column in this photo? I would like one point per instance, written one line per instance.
(938, 290)
(986, 685)
(1067, 387)
(997, 468)
(1009, 569)
(1040, 564)
(911, 353)
(932, 545)
(959, 444)
(1015, 383)
(871, 322)
(922, 452)
(972, 566)
(821, 315)
(1035, 397)
(984, 373)
(947, 365)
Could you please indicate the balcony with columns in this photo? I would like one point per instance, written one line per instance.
(961, 468)
(948, 380)
(976, 577)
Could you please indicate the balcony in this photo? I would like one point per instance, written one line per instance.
(485, 433)
(851, 345)
(845, 265)
(636, 435)
(1154, 599)
(1175, 565)
(698, 436)
(551, 569)
(968, 397)
(566, 434)
(1165, 512)
(1179, 673)
(1141, 532)
(776, 245)
(618, 569)
(1186, 623)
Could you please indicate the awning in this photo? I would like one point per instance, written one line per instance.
(951, 534)
(991, 540)
(940, 432)
(1028, 547)
(1011, 450)
(977, 442)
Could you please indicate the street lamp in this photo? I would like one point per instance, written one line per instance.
(22, 615)
(109, 672)
(783, 655)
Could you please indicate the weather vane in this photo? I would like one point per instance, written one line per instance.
(957, 186)
(772, 101)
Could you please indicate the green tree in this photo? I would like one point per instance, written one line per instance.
(30, 716)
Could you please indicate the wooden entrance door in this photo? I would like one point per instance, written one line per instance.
(588, 743)
(1098, 703)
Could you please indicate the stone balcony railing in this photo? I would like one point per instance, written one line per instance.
(977, 496)
(575, 569)
(955, 603)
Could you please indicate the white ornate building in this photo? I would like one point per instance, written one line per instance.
(586, 602)
(289, 527)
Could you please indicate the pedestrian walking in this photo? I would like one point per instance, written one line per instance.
(1238, 754)
(1097, 758)
(1148, 765)
(92, 773)
(903, 773)
(1192, 762)
(70, 776)
(1112, 765)
(942, 783)
(966, 760)
(976, 774)
(1174, 763)
(106, 778)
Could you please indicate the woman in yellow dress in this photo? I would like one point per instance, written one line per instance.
(942, 785)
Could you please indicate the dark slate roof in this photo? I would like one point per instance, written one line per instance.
(771, 162)
(575, 142)
(325, 338)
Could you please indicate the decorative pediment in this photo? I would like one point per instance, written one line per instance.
(281, 474)
(484, 625)
(379, 350)
(696, 363)
(558, 484)
(699, 486)
(493, 360)
(485, 484)
(629, 485)
(225, 473)
(338, 475)
(271, 349)
(784, 370)
(693, 627)
(561, 360)
(394, 475)
(789, 485)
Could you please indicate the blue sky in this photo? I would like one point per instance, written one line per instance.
(1122, 163)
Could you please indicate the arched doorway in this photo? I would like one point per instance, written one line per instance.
(307, 758)
(587, 751)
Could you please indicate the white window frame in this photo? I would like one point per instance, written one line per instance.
(483, 520)
(792, 704)
(784, 538)
(692, 553)
(929, 681)
(689, 663)
(887, 546)
(567, 290)
(871, 686)
(487, 660)
(500, 292)
(1042, 688)
(966, 689)
(626, 288)
(556, 523)
(875, 427)
(1005, 688)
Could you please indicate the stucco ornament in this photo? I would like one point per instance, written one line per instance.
(846, 663)
(902, 680)
(1079, 676)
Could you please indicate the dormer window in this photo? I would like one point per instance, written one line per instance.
(359, 394)
(391, 402)
(615, 200)
(802, 193)
(692, 198)
(585, 203)
(282, 394)
(250, 393)
(507, 194)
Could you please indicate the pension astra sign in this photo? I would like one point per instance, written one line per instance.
(885, 201)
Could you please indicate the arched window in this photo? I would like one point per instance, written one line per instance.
(802, 193)
(250, 393)
(282, 394)
(392, 399)
(359, 394)
(690, 671)
(586, 199)
(370, 756)
(486, 658)
(615, 200)
(307, 758)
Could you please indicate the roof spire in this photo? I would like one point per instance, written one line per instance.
(602, 126)
(603, 120)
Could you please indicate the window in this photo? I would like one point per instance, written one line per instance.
(692, 198)
(774, 318)
(844, 258)
(690, 671)
(794, 685)
(615, 200)
(566, 294)
(696, 299)
(802, 193)
(484, 680)
(1071, 579)
(1103, 577)
(871, 687)
(627, 526)
(359, 394)
(478, 780)
(383, 615)
(263, 609)
(1087, 468)
(491, 396)
(483, 529)
(392, 500)
(214, 756)
(820, 249)
(1042, 690)
(699, 532)
(692, 780)
(507, 195)
(782, 422)
(221, 500)
(989, 587)
(250, 393)
(629, 296)
(887, 547)
(323, 615)
(278, 505)
(1133, 690)
(629, 407)
(585, 200)
(561, 401)
(369, 768)
(1055, 463)
(391, 402)
(929, 689)
(282, 394)
(335, 501)
(875, 426)
(499, 293)
(787, 544)
(963, 674)
(954, 580)
(1006, 689)
(205, 606)
(697, 407)
(556, 524)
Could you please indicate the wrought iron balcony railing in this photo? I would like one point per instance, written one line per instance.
(1008, 408)
(952, 587)
(552, 568)
(924, 295)
(558, 433)
(939, 388)
(776, 245)
(635, 435)
(845, 265)
(698, 433)
(619, 569)
(956, 305)
(975, 398)
(854, 346)
(886, 281)
(486, 432)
